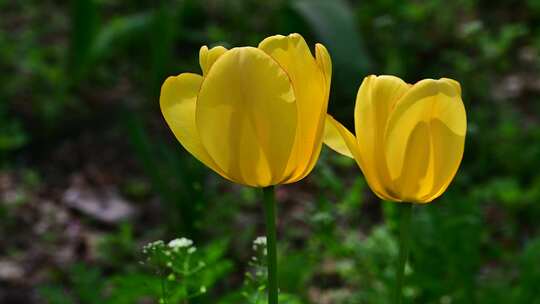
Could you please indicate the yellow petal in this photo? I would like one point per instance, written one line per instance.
(447, 153)
(374, 102)
(412, 185)
(325, 63)
(311, 87)
(449, 108)
(425, 139)
(338, 138)
(246, 116)
(448, 128)
(178, 102)
(208, 57)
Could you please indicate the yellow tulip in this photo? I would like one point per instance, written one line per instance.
(255, 115)
(409, 138)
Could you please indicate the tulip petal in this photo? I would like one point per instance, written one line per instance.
(311, 87)
(246, 116)
(430, 116)
(339, 139)
(447, 152)
(376, 97)
(448, 129)
(450, 109)
(207, 57)
(178, 102)
(412, 184)
(325, 63)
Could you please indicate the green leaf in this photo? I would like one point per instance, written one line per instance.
(132, 287)
(334, 23)
(119, 30)
(164, 33)
(84, 28)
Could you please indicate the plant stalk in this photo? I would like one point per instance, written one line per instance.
(164, 295)
(405, 215)
(270, 211)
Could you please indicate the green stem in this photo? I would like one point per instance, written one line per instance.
(270, 210)
(164, 295)
(184, 279)
(405, 214)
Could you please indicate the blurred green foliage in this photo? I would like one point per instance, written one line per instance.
(96, 66)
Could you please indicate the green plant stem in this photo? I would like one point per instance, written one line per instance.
(164, 294)
(405, 215)
(270, 211)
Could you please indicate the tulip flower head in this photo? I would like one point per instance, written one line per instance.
(255, 115)
(409, 138)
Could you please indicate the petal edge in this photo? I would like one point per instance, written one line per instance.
(178, 101)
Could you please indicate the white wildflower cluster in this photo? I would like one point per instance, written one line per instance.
(153, 246)
(180, 243)
(255, 277)
(174, 256)
(175, 263)
(259, 245)
(169, 252)
(259, 241)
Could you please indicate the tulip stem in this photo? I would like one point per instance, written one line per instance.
(405, 215)
(270, 210)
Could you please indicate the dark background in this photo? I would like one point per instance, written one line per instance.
(90, 172)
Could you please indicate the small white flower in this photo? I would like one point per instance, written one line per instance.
(191, 250)
(152, 246)
(203, 289)
(180, 243)
(260, 241)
